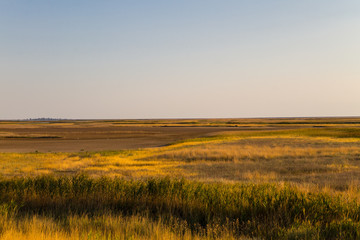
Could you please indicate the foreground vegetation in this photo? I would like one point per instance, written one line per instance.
(79, 206)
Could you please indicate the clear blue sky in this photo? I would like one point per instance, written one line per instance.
(179, 59)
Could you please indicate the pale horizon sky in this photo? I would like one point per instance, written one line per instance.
(111, 59)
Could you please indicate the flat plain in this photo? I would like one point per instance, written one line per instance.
(277, 178)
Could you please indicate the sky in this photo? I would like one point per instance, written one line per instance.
(179, 59)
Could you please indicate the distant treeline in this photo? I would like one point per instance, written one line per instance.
(45, 119)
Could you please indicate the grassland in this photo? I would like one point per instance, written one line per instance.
(216, 179)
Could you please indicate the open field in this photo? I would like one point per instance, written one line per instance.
(100, 135)
(181, 179)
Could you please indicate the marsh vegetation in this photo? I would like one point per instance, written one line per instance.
(260, 179)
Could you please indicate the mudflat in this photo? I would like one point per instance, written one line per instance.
(78, 136)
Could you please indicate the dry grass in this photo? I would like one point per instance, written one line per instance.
(101, 228)
(81, 207)
(322, 162)
(93, 164)
(325, 160)
(305, 156)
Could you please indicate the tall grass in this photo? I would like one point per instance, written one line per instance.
(269, 211)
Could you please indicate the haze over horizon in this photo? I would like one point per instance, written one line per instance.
(179, 59)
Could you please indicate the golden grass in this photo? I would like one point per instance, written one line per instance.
(325, 160)
(297, 156)
(238, 153)
(22, 164)
(104, 227)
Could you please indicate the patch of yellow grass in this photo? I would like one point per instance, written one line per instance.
(16, 164)
(232, 157)
(102, 228)
(342, 167)
(260, 177)
(234, 152)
